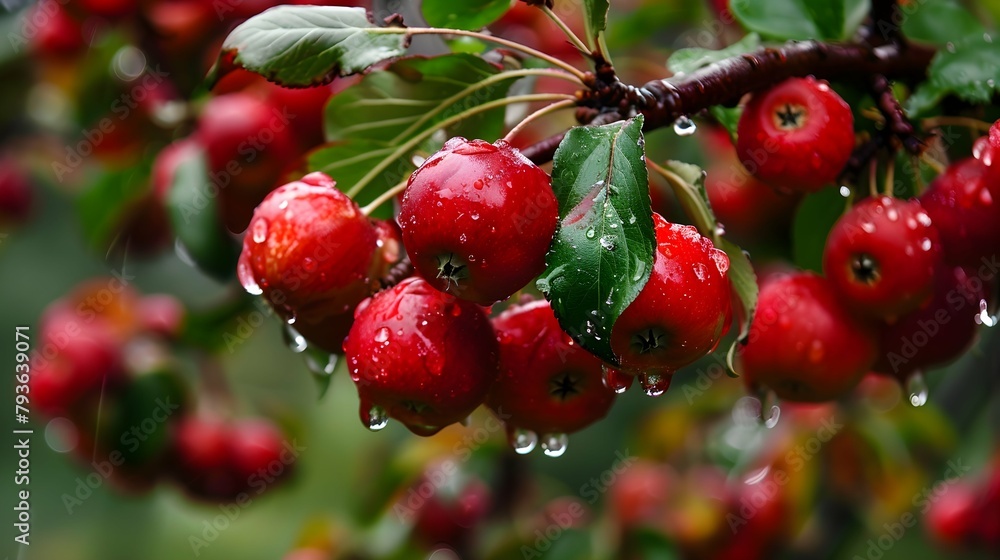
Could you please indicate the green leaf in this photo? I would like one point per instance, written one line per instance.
(596, 19)
(938, 22)
(744, 284)
(728, 117)
(370, 121)
(103, 208)
(801, 19)
(685, 61)
(688, 184)
(192, 206)
(813, 220)
(969, 69)
(603, 252)
(306, 45)
(413, 94)
(467, 14)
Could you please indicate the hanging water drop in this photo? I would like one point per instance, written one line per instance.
(845, 191)
(523, 441)
(916, 387)
(260, 231)
(554, 445)
(615, 380)
(377, 418)
(654, 384)
(295, 341)
(770, 409)
(320, 362)
(984, 317)
(684, 126)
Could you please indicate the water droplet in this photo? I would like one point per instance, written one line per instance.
(523, 441)
(640, 269)
(924, 219)
(700, 270)
(463, 238)
(554, 445)
(631, 219)
(474, 216)
(684, 126)
(984, 317)
(478, 184)
(845, 191)
(295, 341)
(259, 231)
(654, 384)
(591, 233)
(868, 227)
(770, 409)
(916, 387)
(382, 335)
(377, 418)
(892, 214)
(320, 362)
(247, 280)
(987, 37)
(926, 244)
(950, 46)
(615, 380)
(608, 242)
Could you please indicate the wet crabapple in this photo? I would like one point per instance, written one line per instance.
(421, 356)
(881, 255)
(803, 344)
(938, 332)
(964, 204)
(477, 220)
(248, 143)
(310, 252)
(797, 135)
(683, 310)
(547, 383)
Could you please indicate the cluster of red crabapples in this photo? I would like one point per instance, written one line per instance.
(104, 374)
(905, 282)
(476, 220)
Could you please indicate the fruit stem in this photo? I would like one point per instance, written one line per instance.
(582, 76)
(382, 198)
(944, 120)
(454, 99)
(934, 164)
(458, 117)
(551, 108)
(889, 188)
(573, 38)
(872, 179)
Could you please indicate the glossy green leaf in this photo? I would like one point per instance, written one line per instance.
(743, 280)
(603, 252)
(596, 19)
(968, 69)
(192, 206)
(467, 14)
(377, 124)
(801, 19)
(688, 60)
(306, 45)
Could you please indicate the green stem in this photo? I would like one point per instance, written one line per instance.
(683, 191)
(551, 108)
(582, 76)
(413, 142)
(382, 198)
(580, 45)
(447, 103)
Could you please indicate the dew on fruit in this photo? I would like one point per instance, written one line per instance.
(654, 384)
(294, 340)
(523, 441)
(382, 335)
(554, 445)
(474, 216)
(770, 409)
(377, 418)
(684, 126)
(463, 238)
(246, 278)
(615, 380)
(699, 270)
(868, 227)
(845, 191)
(984, 317)
(916, 388)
